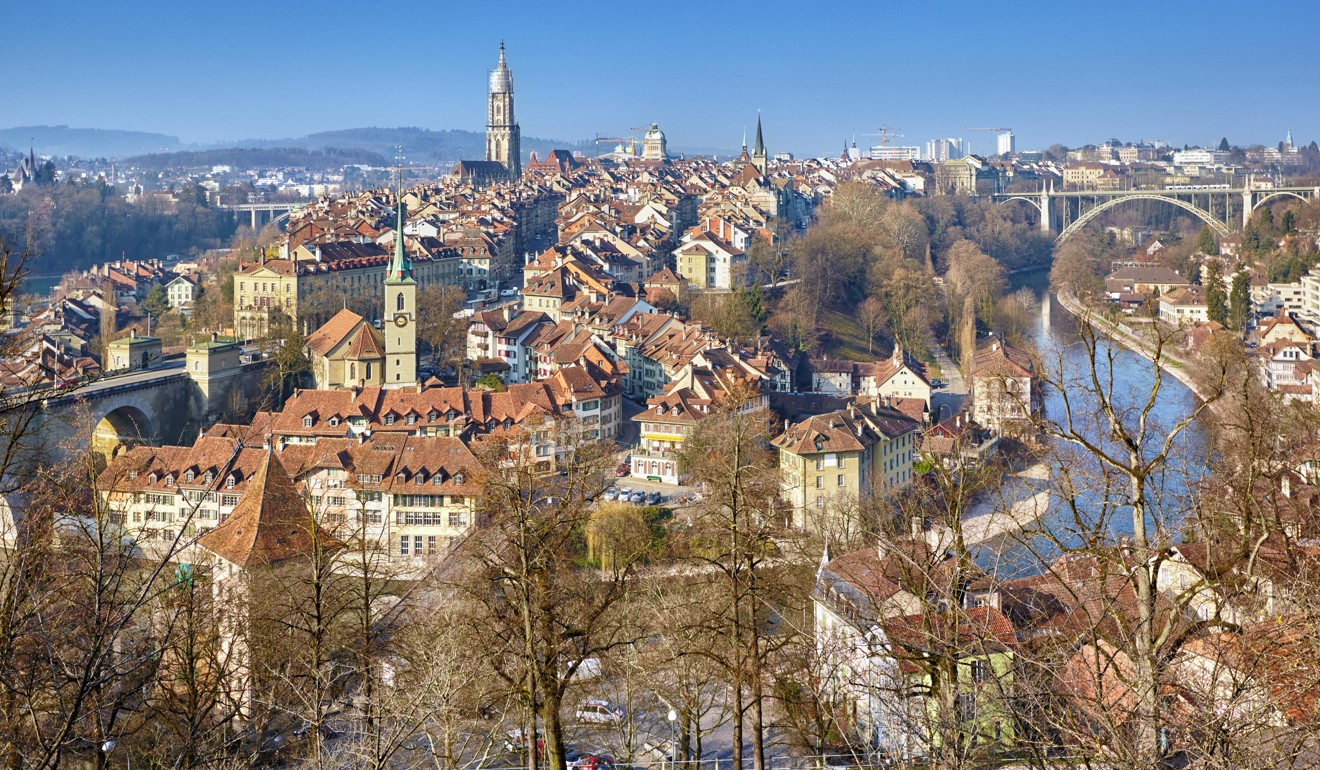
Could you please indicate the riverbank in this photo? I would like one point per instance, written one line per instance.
(1174, 363)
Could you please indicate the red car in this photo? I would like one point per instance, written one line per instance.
(593, 762)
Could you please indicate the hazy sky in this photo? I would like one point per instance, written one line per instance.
(1065, 72)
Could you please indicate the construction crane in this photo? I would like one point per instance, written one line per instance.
(997, 131)
(631, 141)
(884, 134)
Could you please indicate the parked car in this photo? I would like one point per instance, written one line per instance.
(637, 497)
(611, 493)
(599, 712)
(592, 762)
(509, 293)
(937, 383)
(624, 492)
(516, 741)
(655, 498)
(623, 470)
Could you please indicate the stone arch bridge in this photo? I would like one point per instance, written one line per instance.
(1222, 208)
(166, 403)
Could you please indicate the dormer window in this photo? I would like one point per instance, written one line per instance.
(389, 419)
(458, 478)
(307, 421)
(334, 420)
(153, 478)
(169, 480)
(189, 475)
(431, 416)
(411, 419)
(231, 481)
(210, 476)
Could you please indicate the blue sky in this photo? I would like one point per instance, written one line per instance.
(819, 71)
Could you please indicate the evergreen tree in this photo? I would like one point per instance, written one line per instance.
(1223, 145)
(1215, 300)
(755, 304)
(157, 302)
(1205, 241)
(1239, 301)
(1288, 222)
(44, 176)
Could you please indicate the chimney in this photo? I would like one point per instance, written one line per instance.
(215, 336)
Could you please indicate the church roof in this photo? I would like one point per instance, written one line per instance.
(270, 524)
(334, 331)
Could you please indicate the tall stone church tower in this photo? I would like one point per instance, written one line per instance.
(400, 318)
(503, 137)
(758, 152)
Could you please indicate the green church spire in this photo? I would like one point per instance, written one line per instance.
(400, 265)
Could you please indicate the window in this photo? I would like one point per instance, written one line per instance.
(229, 482)
(417, 545)
(820, 501)
(189, 475)
(820, 482)
(430, 545)
(307, 421)
(458, 519)
(403, 545)
(389, 419)
(399, 303)
(820, 464)
(840, 479)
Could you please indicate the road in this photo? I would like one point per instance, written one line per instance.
(953, 397)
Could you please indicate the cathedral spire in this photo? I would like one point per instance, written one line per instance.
(760, 143)
(502, 64)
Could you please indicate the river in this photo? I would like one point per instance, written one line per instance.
(1103, 511)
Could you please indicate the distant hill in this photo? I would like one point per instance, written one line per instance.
(86, 142)
(327, 159)
(420, 145)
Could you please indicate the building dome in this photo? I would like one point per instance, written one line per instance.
(655, 134)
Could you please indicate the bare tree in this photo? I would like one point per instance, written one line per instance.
(541, 608)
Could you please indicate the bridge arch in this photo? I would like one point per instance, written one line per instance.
(122, 428)
(1279, 194)
(1220, 228)
(1033, 202)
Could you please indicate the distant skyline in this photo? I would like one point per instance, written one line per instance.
(821, 73)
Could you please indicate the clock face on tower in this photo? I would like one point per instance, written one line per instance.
(400, 320)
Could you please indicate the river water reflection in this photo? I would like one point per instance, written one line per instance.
(1102, 510)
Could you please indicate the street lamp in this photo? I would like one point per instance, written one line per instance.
(109, 746)
(673, 738)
